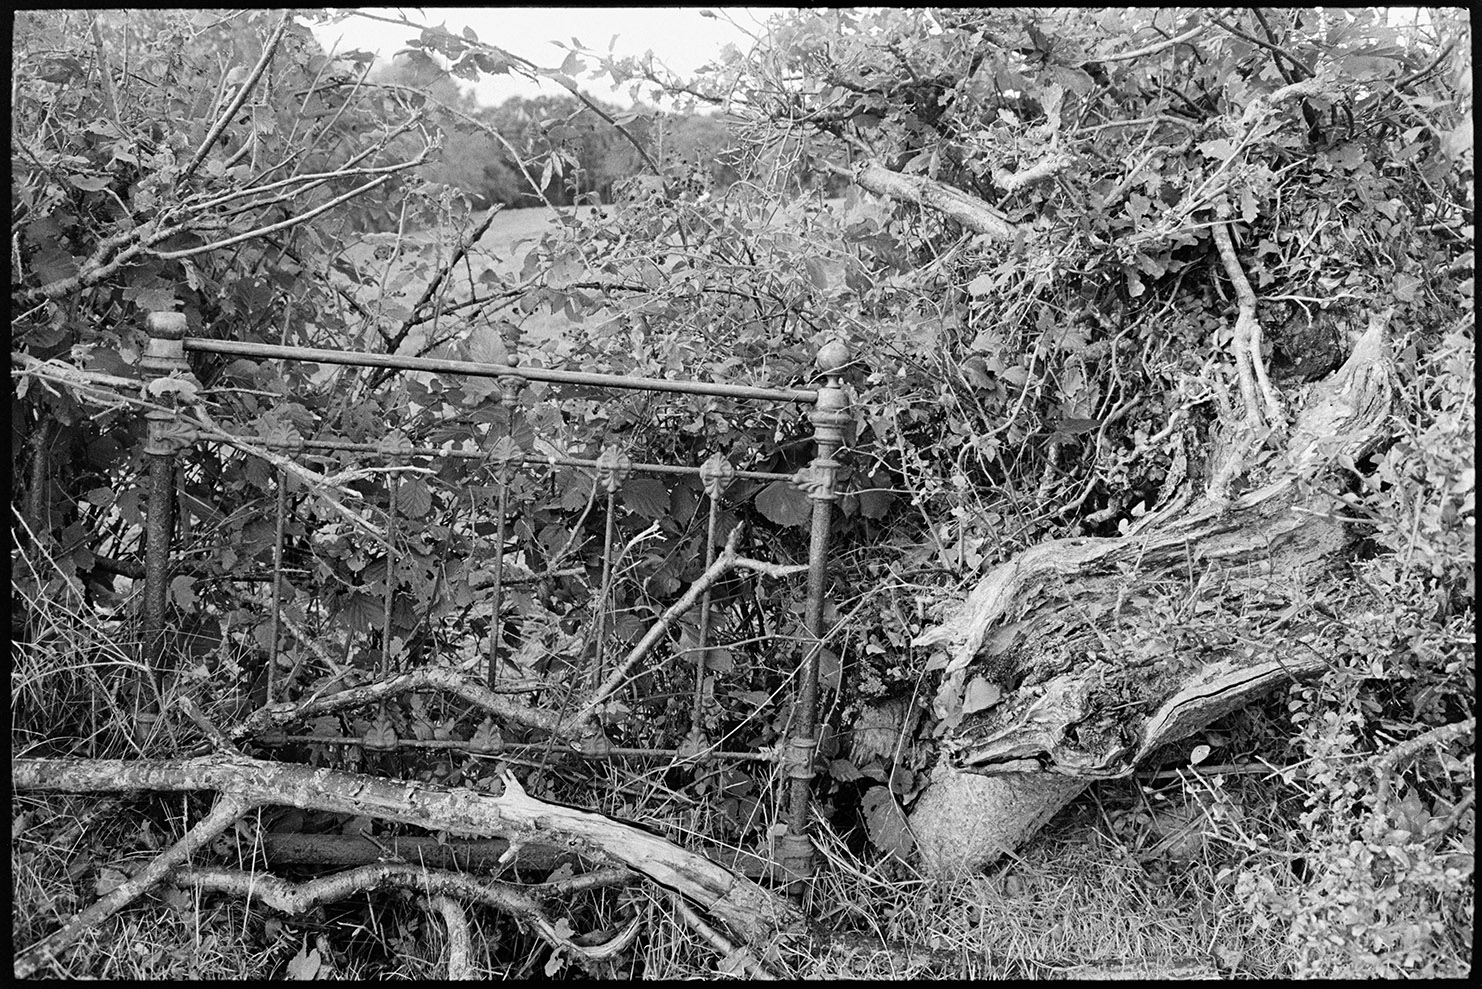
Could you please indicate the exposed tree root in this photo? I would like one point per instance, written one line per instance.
(1072, 632)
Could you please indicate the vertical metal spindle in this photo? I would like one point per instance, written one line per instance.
(386, 658)
(829, 418)
(716, 474)
(495, 623)
(601, 628)
(282, 506)
(281, 509)
(505, 456)
(164, 357)
(613, 468)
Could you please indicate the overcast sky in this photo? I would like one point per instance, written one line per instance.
(678, 36)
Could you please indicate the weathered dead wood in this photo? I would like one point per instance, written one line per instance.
(222, 816)
(341, 851)
(439, 678)
(479, 855)
(576, 728)
(734, 959)
(521, 903)
(967, 209)
(751, 912)
(1068, 631)
(460, 943)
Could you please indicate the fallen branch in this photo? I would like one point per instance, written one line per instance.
(439, 678)
(968, 210)
(296, 898)
(343, 850)
(734, 960)
(748, 910)
(460, 944)
(1013, 181)
(725, 562)
(228, 808)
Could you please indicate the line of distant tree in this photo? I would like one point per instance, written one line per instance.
(488, 173)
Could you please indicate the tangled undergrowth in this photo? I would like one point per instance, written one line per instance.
(1056, 372)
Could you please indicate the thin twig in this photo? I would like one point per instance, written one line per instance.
(725, 562)
(228, 808)
(570, 87)
(1276, 50)
(221, 122)
(1152, 49)
(216, 736)
(289, 223)
(734, 958)
(1415, 77)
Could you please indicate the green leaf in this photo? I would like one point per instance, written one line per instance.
(1404, 287)
(646, 497)
(886, 823)
(782, 504)
(574, 492)
(182, 593)
(980, 695)
(155, 299)
(1219, 149)
(89, 183)
(305, 966)
(413, 498)
(875, 503)
(361, 612)
(52, 264)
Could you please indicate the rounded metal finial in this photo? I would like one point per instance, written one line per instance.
(832, 356)
(164, 351)
(167, 324)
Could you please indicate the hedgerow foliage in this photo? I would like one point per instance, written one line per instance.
(1053, 372)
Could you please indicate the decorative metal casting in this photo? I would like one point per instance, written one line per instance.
(165, 358)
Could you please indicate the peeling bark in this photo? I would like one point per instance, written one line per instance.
(967, 209)
(749, 910)
(1069, 632)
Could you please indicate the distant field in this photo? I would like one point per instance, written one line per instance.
(502, 249)
(515, 231)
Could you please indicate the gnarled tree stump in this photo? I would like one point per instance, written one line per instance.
(1108, 648)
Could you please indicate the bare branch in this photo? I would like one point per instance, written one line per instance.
(968, 210)
(1276, 50)
(1013, 181)
(1152, 49)
(228, 808)
(470, 239)
(1159, 118)
(268, 51)
(1262, 402)
(438, 678)
(460, 943)
(292, 221)
(570, 87)
(749, 910)
(726, 561)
